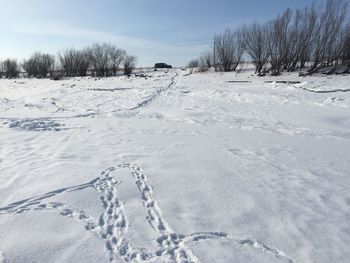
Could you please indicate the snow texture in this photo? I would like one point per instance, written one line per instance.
(171, 167)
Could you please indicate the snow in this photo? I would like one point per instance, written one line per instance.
(170, 167)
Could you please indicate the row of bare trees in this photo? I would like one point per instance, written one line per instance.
(101, 60)
(316, 36)
(39, 65)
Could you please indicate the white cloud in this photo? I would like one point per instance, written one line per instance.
(179, 52)
(66, 30)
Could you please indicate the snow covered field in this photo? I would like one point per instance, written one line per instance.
(214, 167)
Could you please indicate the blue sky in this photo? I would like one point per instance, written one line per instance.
(155, 31)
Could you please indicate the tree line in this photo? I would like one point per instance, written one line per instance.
(315, 37)
(100, 60)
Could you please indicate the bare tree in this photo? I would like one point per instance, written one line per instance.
(229, 48)
(301, 37)
(116, 57)
(99, 57)
(1, 69)
(192, 65)
(278, 32)
(46, 65)
(129, 64)
(257, 45)
(74, 62)
(82, 62)
(30, 66)
(346, 48)
(66, 60)
(331, 20)
(205, 61)
(9, 68)
(39, 65)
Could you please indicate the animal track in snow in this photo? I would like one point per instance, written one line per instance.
(113, 225)
(34, 124)
(50, 124)
(157, 93)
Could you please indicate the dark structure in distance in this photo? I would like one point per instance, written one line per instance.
(162, 65)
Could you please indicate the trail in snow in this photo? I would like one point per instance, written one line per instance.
(327, 91)
(157, 93)
(112, 225)
(49, 123)
(322, 91)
